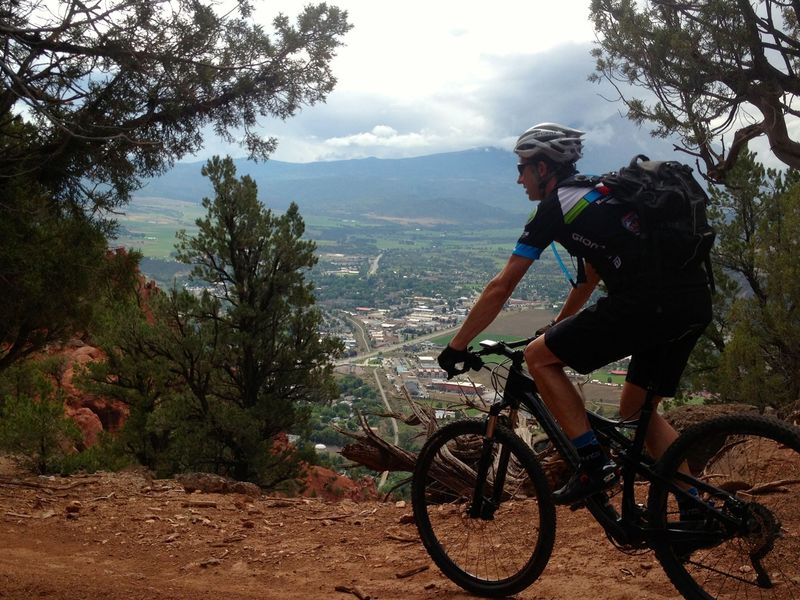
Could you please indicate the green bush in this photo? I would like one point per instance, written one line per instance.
(37, 432)
(106, 455)
(34, 429)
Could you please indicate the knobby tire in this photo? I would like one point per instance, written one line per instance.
(497, 556)
(756, 460)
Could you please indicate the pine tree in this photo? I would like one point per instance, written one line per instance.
(751, 352)
(212, 380)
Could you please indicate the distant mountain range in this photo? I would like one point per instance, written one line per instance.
(477, 185)
(452, 187)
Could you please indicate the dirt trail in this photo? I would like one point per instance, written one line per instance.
(129, 537)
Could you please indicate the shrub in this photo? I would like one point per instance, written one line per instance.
(37, 431)
(106, 455)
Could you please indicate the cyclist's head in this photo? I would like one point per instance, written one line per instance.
(558, 146)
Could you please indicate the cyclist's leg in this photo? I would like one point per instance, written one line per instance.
(581, 341)
(561, 397)
(659, 367)
(596, 471)
(660, 434)
(585, 341)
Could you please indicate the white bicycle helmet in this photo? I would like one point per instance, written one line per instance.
(551, 140)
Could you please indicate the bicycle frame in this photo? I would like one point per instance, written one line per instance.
(630, 528)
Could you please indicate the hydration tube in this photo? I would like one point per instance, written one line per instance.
(563, 266)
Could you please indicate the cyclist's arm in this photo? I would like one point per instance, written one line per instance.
(579, 295)
(491, 300)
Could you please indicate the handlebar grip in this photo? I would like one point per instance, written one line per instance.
(475, 362)
(472, 361)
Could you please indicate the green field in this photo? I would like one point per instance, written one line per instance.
(417, 259)
(509, 325)
(150, 224)
(604, 376)
(443, 340)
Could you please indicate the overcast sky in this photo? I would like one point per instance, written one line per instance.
(420, 77)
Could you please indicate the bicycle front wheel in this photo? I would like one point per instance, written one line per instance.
(748, 468)
(502, 550)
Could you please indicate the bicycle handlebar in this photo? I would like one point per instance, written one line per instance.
(506, 349)
(474, 360)
(488, 347)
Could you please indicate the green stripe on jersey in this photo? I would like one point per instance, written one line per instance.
(573, 212)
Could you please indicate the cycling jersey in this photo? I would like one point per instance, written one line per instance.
(589, 223)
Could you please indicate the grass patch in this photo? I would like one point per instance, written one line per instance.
(606, 377)
(325, 222)
(151, 239)
(149, 225)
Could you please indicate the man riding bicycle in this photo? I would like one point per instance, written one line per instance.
(653, 315)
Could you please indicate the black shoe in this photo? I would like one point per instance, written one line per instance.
(587, 482)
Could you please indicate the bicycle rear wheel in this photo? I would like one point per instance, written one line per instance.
(753, 464)
(502, 551)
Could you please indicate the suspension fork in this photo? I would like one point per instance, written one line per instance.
(481, 506)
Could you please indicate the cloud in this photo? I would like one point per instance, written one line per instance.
(503, 96)
(518, 91)
(425, 77)
(381, 136)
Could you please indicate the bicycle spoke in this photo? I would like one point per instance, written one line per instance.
(744, 467)
(502, 547)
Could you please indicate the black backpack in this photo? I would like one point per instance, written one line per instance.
(671, 206)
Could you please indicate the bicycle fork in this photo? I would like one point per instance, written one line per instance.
(483, 507)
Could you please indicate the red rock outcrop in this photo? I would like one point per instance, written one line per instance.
(88, 422)
(90, 412)
(330, 486)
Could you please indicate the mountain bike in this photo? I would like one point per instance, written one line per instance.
(485, 512)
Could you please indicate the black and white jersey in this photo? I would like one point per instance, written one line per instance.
(589, 223)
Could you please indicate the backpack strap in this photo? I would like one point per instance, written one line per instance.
(584, 181)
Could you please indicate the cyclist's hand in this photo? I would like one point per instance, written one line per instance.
(455, 362)
(543, 330)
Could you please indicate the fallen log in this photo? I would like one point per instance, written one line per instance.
(44, 486)
(453, 470)
(374, 452)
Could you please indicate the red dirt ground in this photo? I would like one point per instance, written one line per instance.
(125, 536)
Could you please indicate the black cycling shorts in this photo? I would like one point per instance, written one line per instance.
(657, 330)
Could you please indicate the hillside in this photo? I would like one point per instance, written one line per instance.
(451, 187)
(125, 537)
(464, 187)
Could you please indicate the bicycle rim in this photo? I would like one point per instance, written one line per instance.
(754, 462)
(493, 555)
